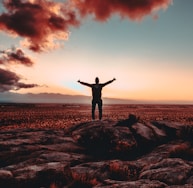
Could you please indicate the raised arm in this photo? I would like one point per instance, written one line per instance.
(110, 81)
(84, 83)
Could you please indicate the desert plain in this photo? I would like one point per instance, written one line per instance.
(65, 115)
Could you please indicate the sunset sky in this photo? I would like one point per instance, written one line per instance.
(46, 46)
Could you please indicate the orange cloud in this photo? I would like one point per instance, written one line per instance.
(43, 22)
(15, 56)
(40, 22)
(133, 9)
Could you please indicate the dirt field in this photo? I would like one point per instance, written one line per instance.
(65, 115)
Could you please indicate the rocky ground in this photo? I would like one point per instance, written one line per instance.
(128, 153)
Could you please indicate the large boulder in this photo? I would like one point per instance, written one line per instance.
(105, 140)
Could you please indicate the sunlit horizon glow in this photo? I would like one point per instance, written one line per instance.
(151, 59)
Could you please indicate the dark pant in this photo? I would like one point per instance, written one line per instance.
(100, 103)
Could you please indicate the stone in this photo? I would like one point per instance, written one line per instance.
(127, 153)
(133, 184)
(170, 171)
(6, 178)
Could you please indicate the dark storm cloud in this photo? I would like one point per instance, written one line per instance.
(40, 22)
(11, 81)
(133, 9)
(15, 56)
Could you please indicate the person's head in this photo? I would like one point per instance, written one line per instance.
(96, 80)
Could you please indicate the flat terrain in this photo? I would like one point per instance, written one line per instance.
(65, 115)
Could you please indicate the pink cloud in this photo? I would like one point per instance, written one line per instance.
(133, 9)
(40, 22)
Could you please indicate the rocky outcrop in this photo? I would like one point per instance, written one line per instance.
(128, 153)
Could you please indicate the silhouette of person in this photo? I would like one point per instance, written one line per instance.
(96, 95)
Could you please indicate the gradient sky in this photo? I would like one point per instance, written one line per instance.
(151, 57)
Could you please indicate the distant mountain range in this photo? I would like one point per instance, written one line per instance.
(9, 97)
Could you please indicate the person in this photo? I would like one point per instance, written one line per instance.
(96, 95)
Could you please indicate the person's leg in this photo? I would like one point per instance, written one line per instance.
(93, 109)
(100, 104)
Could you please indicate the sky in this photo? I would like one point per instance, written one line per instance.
(46, 46)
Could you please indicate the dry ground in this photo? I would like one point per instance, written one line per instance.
(65, 115)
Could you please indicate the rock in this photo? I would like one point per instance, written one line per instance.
(181, 186)
(56, 174)
(190, 180)
(183, 150)
(124, 170)
(128, 153)
(5, 174)
(170, 171)
(144, 132)
(114, 169)
(43, 175)
(6, 178)
(106, 141)
(170, 128)
(159, 134)
(133, 184)
(89, 174)
(158, 154)
(147, 136)
(26, 176)
(132, 119)
(186, 133)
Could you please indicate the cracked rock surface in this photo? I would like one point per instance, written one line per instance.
(97, 154)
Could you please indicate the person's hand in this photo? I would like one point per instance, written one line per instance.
(78, 81)
(114, 79)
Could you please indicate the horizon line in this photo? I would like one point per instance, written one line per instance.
(109, 100)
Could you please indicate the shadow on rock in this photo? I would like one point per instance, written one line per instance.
(132, 119)
(106, 141)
